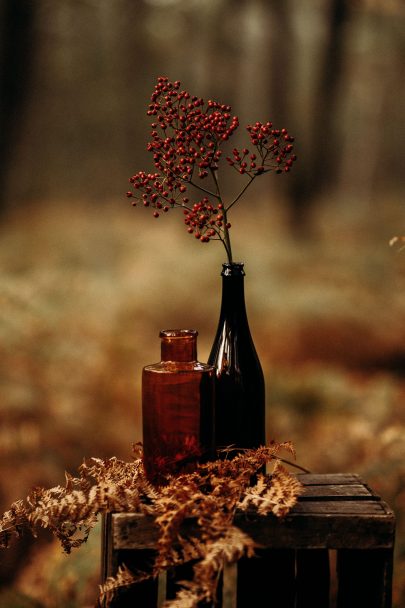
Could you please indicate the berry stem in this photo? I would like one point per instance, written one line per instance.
(172, 174)
(226, 239)
(203, 189)
(235, 200)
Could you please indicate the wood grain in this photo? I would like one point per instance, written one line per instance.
(337, 511)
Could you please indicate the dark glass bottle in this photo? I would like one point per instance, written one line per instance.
(177, 407)
(240, 395)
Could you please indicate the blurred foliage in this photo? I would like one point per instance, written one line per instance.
(73, 123)
(84, 296)
(87, 282)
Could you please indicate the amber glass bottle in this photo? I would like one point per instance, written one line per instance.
(177, 407)
(240, 397)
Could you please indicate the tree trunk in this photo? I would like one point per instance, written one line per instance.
(16, 54)
(310, 179)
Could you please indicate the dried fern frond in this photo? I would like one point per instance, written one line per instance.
(124, 578)
(194, 512)
(275, 494)
(12, 523)
(229, 547)
(70, 512)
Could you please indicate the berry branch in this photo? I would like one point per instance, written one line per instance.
(187, 137)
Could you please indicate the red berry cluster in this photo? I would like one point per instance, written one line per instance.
(155, 192)
(187, 132)
(186, 139)
(274, 151)
(205, 220)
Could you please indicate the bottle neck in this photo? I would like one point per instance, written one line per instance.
(233, 290)
(179, 345)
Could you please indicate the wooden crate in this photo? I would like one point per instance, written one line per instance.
(334, 549)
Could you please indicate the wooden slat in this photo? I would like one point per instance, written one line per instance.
(337, 492)
(338, 507)
(106, 548)
(133, 531)
(317, 531)
(144, 594)
(308, 528)
(316, 479)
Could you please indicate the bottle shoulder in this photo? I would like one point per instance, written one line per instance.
(178, 367)
(233, 348)
(236, 335)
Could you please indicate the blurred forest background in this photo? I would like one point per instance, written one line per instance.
(88, 282)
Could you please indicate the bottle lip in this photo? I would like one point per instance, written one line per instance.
(178, 333)
(233, 269)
